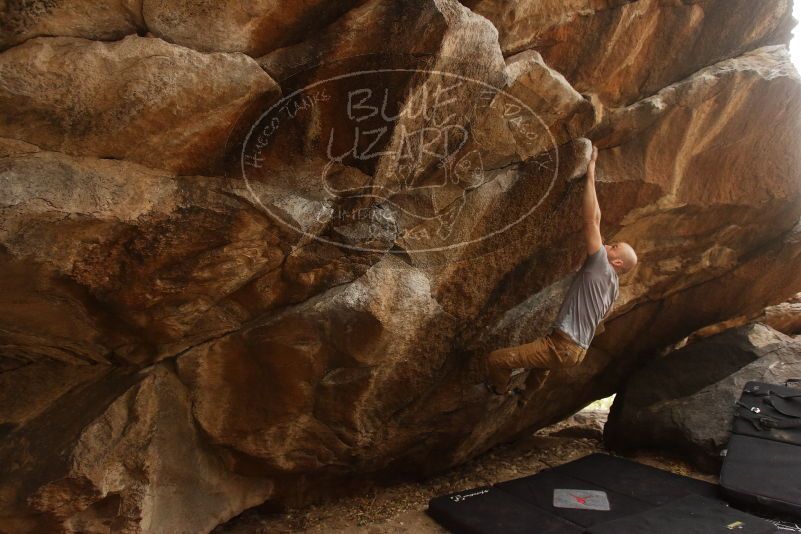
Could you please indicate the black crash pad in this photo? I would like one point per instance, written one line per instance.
(485, 510)
(526, 505)
(692, 514)
(538, 490)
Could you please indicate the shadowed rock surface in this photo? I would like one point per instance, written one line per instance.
(178, 280)
(684, 402)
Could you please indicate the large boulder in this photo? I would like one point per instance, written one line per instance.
(683, 402)
(139, 99)
(252, 27)
(784, 317)
(111, 20)
(95, 448)
(694, 267)
(312, 299)
(112, 262)
(610, 47)
(443, 30)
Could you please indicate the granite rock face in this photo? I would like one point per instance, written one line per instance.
(683, 403)
(23, 20)
(784, 317)
(138, 99)
(270, 243)
(608, 47)
(253, 28)
(94, 448)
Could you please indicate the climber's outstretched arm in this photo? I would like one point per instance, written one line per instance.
(591, 210)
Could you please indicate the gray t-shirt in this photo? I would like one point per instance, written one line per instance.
(590, 296)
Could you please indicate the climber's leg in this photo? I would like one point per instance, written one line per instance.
(501, 362)
(569, 353)
(552, 351)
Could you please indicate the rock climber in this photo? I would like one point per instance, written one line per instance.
(588, 299)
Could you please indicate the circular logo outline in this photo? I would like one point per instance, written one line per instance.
(450, 246)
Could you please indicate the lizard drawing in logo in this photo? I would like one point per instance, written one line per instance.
(427, 161)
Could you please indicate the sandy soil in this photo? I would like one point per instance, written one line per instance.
(401, 508)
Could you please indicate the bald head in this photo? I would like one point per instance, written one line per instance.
(621, 256)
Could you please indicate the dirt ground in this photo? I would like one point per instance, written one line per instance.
(401, 508)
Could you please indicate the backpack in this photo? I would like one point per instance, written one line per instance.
(762, 464)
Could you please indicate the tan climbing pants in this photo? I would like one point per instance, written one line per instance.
(551, 351)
